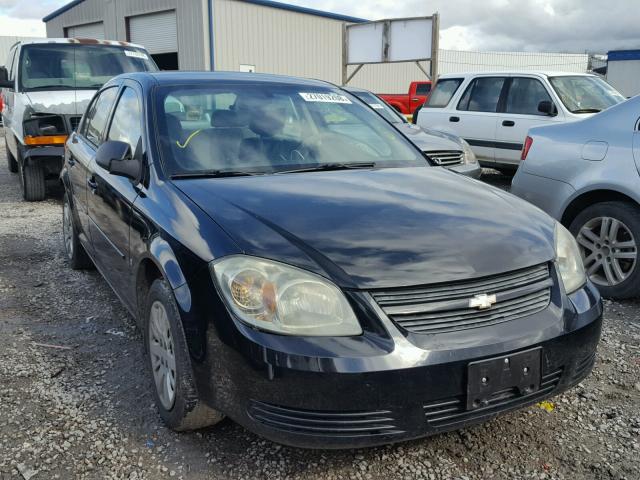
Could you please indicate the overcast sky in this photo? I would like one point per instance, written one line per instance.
(504, 25)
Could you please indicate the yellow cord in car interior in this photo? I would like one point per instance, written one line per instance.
(189, 138)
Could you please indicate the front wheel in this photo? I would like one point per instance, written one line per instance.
(608, 234)
(33, 181)
(175, 391)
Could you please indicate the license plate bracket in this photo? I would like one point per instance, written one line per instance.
(488, 379)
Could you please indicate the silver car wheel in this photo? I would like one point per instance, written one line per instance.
(609, 250)
(67, 229)
(161, 350)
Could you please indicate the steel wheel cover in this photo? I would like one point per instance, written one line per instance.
(67, 229)
(609, 250)
(162, 353)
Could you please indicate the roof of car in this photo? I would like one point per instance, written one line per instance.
(544, 73)
(182, 77)
(81, 41)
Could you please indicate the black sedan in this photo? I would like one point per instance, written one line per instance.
(297, 264)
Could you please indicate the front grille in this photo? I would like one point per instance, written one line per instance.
(452, 411)
(323, 423)
(74, 122)
(444, 307)
(445, 158)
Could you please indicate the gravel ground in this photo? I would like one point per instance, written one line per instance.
(75, 402)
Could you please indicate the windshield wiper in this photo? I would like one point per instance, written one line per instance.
(329, 166)
(586, 110)
(212, 174)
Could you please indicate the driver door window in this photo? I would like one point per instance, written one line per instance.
(126, 125)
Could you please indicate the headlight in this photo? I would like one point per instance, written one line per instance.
(468, 155)
(569, 260)
(283, 299)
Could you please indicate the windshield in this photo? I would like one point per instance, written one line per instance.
(585, 94)
(71, 66)
(380, 106)
(269, 128)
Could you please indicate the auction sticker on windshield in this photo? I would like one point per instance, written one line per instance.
(134, 54)
(377, 106)
(324, 97)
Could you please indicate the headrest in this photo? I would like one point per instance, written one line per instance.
(267, 122)
(174, 126)
(228, 119)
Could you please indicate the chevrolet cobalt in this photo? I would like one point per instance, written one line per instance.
(298, 265)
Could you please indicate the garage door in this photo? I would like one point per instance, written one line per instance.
(157, 32)
(88, 30)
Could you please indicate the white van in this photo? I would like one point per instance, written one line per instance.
(493, 111)
(46, 87)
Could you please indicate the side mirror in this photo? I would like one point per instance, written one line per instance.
(116, 158)
(547, 107)
(4, 78)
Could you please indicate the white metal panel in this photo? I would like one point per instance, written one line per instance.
(365, 43)
(88, 30)
(157, 32)
(410, 39)
(624, 76)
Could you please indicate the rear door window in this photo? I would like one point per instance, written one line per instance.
(423, 89)
(482, 95)
(444, 91)
(524, 96)
(98, 115)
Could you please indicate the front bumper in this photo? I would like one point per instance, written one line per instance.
(352, 393)
(473, 170)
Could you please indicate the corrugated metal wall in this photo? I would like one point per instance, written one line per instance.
(624, 76)
(191, 24)
(6, 42)
(276, 41)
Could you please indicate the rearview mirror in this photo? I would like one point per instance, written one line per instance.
(4, 78)
(115, 157)
(547, 107)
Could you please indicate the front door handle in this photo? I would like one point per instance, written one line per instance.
(454, 119)
(415, 99)
(92, 184)
(71, 161)
(508, 123)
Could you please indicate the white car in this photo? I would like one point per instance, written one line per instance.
(493, 111)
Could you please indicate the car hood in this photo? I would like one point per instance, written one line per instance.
(378, 228)
(60, 102)
(427, 139)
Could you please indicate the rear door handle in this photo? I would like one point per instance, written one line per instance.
(508, 123)
(92, 184)
(454, 119)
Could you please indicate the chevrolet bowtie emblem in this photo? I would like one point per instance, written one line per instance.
(482, 302)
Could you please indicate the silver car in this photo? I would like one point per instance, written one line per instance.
(46, 87)
(444, 149)
(586, 174)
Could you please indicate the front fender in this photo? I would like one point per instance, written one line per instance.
(165, 259)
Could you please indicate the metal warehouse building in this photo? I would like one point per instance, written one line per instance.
(238, 35)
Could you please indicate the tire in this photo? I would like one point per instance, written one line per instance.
(166, 351)
(33, 184)
(506, 171)
(611, 263)
(12, 163)
(76, 254)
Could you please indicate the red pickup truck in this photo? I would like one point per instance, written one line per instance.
(407, 103)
